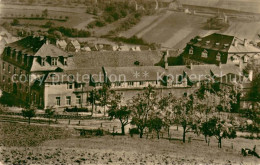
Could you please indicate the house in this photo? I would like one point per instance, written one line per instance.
(219, 48)
(124, 48)
(62, 44)
(74, 89)
(24, 63)
(73, 46)
(85, 49)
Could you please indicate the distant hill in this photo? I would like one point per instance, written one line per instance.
(252, 6)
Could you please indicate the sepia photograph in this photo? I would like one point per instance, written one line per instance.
(130, 82)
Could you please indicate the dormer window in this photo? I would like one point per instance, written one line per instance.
(234, 58)
(43, 61)
(65, 61)
(54, 61)
(217, 43)
(218, 57)
(207, 42)
(204, 54)
(9, 68)
(191, 50)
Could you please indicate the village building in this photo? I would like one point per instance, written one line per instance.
(25, 61)
(62, 44)
(59, 80)
(219, 48)
(73, 46)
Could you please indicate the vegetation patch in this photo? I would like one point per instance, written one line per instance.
(19, 135)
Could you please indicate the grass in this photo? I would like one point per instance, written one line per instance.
(21, 135)
(24, 144)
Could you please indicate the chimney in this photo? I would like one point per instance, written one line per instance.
(47, 42)
(191, 66)
(235, 42)
(166, 60)
(245, 42)
(250, 75)
(219, 65)
(240, 66)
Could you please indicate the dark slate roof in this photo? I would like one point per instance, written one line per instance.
(214, 41)
(116, 58)
(29, 45)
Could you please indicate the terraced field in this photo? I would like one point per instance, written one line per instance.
(239, 5)
(171, 29)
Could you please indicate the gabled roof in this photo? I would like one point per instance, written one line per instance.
(215, 41)
(116, 58)
(28, 45)
(50, 50)
(75, 43)
(61, 43)
(141, 73)
(241, 48)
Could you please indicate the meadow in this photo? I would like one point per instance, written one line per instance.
(24, 144)
(76, 15)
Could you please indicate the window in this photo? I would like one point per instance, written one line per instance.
(191, 50)
(43, 62)
(79, 86)
(68, 100)
(218, 57)
(130, 83)
(9, 68)
(65, 61)
(3, 66)
(3, 78)
(14, 70)
(21, 72)
(54, 61)
(118, 84)
(204, 54)
(141, 83)
(78, 99)
(69, 86)
(58, 101)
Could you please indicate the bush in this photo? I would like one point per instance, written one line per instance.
(133, 131)
(15, 22)
(99, 132)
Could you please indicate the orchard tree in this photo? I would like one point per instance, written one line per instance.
(221, 128)
(104, 94)
(28, 113)
(186, 115)
(164, 108)
(142, 106)
(155, 123)
(117, 111)
(45, 13)
(93, 97)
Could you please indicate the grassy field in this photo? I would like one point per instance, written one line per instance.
(77, 16)
(46, 145)
(238, 5)
(171, 29)
(241, 30)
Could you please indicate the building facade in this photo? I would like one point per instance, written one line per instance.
(219, 48)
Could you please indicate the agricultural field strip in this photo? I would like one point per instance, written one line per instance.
(153, 25)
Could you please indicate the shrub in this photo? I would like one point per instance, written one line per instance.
(99, 132)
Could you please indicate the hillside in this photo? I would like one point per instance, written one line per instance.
(240, 5)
